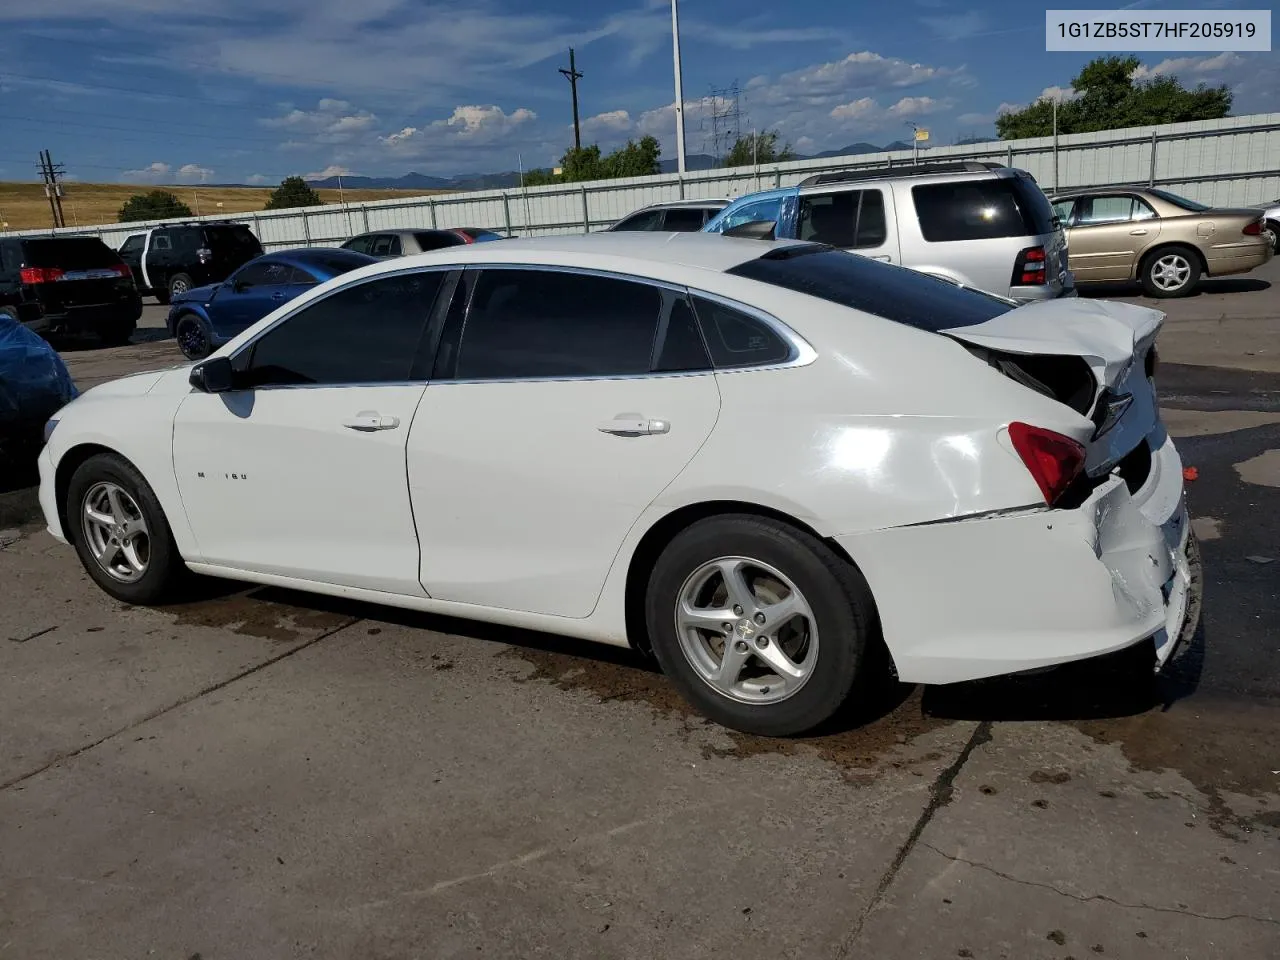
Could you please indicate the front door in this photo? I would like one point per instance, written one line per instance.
(860, 221)
(300, 471)
(1106, 235)
(567, 407)
(252, 292)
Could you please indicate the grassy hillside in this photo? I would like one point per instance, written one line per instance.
(24, 206)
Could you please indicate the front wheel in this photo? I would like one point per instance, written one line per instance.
(120, 532)
(1171, 272)
(760, 625)
(192, 337)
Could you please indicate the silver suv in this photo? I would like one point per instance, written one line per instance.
(978, 224)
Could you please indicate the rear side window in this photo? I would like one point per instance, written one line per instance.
(644, 220)
(69, 253)
(895, 293)
(684, 219)
(981, 209)
(551, 323)
(360, 244)
(237, 241)
(436, 240)
(851, 219)
(737, 339)
(368, 333)
(386, 245)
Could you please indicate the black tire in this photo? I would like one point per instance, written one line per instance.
(1161, 260)
(117, 333)
(165, 572)
(192, 337)
(1273, 227)
(836, 592)
(178, 284)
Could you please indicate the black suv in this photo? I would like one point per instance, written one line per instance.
(54, 285)
(168, 261)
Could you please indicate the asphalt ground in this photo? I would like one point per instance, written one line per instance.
(265, 774)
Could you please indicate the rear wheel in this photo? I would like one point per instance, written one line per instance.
(1170, 272)
(192, 337)
(760, 625)
(179, 284)
(120, 532)
(1273, 228)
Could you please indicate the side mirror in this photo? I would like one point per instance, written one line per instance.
(753, 230)
(215, 375)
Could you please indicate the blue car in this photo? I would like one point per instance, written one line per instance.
(204, 318)
(34, 385)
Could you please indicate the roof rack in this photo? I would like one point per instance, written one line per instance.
(907, 170)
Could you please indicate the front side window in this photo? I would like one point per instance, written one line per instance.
(132, 245)
(263, 273)
(386, 245)
(852, 219)
(1095, 211)
(644, 220)
(525, 323)
(752, 213)
(359, 244)
(1062, 210)
(367, 333)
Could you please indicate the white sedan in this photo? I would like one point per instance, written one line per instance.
(756, 460)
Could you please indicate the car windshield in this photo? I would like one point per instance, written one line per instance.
(69, 253)
(895, 293)
(1178, 201)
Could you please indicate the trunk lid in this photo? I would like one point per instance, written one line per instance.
(1095, 356)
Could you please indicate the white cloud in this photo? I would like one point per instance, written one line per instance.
(1196, 66)
(1061, 94)
(152, 173)
(257, 179)
(333, 170)
(194, 173)
(333, 121)
(1254, 78)
(467, 128)
(602, 124)
(160, 172)
(865, 113)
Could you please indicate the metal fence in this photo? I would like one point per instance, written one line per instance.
(1231, 162)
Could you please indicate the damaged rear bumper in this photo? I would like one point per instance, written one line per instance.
(982, 597)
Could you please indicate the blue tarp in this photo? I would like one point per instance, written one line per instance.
(34, 382)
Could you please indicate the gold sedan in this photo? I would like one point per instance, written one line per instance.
(1164, 241)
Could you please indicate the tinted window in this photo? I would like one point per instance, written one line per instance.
(368, 333)
(895, 293)
(69, 253)
(160, 242)
(981, 209)
(751, 212)
(546, 323)
(644, 220)
(851, 219)
(683, 219)
(132, 245)
(436, 240)
(737, 339)
(873, 230)
(682, 347)
(234, 241)
(382, 246)
(299, 276)
(359, 244)
(264, 273)
(188, 241)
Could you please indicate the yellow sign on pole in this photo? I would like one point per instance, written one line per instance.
(922, 135)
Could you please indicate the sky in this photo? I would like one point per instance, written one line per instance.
(251, 91)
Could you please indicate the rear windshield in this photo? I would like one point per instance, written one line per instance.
(895, 293)
(69, 253)
(480, 234)
(1178, 201)
(982, 209)
(234, 238)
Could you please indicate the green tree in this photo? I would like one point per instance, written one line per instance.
(1109, 98)
(540, 177)
(634, 159)
(155, 205)
(581, 163)
(293, 192)
(758, 148)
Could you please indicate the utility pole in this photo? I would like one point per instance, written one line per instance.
(675, 50)
(573, 76)
(50, 173)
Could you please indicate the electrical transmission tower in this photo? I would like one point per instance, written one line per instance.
(51, 173)
(722, 115)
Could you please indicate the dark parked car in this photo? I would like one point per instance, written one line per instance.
(385, 244)
(204, 318)
(34, 385)
(168, 261)
(55, 285)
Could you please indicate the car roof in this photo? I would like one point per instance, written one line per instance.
(314, 254)
(1096, 192)
(704, 202)
(701, 251)
(410, 231)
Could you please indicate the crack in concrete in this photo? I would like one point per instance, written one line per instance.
(940, 795)
(1095, 897)
(180, 702)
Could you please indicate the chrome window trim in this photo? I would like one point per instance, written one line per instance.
(801, 352)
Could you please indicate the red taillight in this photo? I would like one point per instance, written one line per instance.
(1053, 460)
(1253, 229)
(40, 274)
(1029, 268)
(122, 270)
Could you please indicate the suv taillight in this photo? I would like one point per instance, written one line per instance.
(205, 254)
(40, 274)
(1029, 268)
(1253, 229)
(1053, 460)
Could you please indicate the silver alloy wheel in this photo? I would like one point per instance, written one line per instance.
(746, 630)
(1171, 271)
(178, 287)
(116, 532)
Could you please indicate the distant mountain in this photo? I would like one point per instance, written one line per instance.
(970, 141)
(692, 161)
(410, 181)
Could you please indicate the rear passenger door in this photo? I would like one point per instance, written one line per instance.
(385, 246)
(563, 403)
(860, 221)
(1106, 233)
